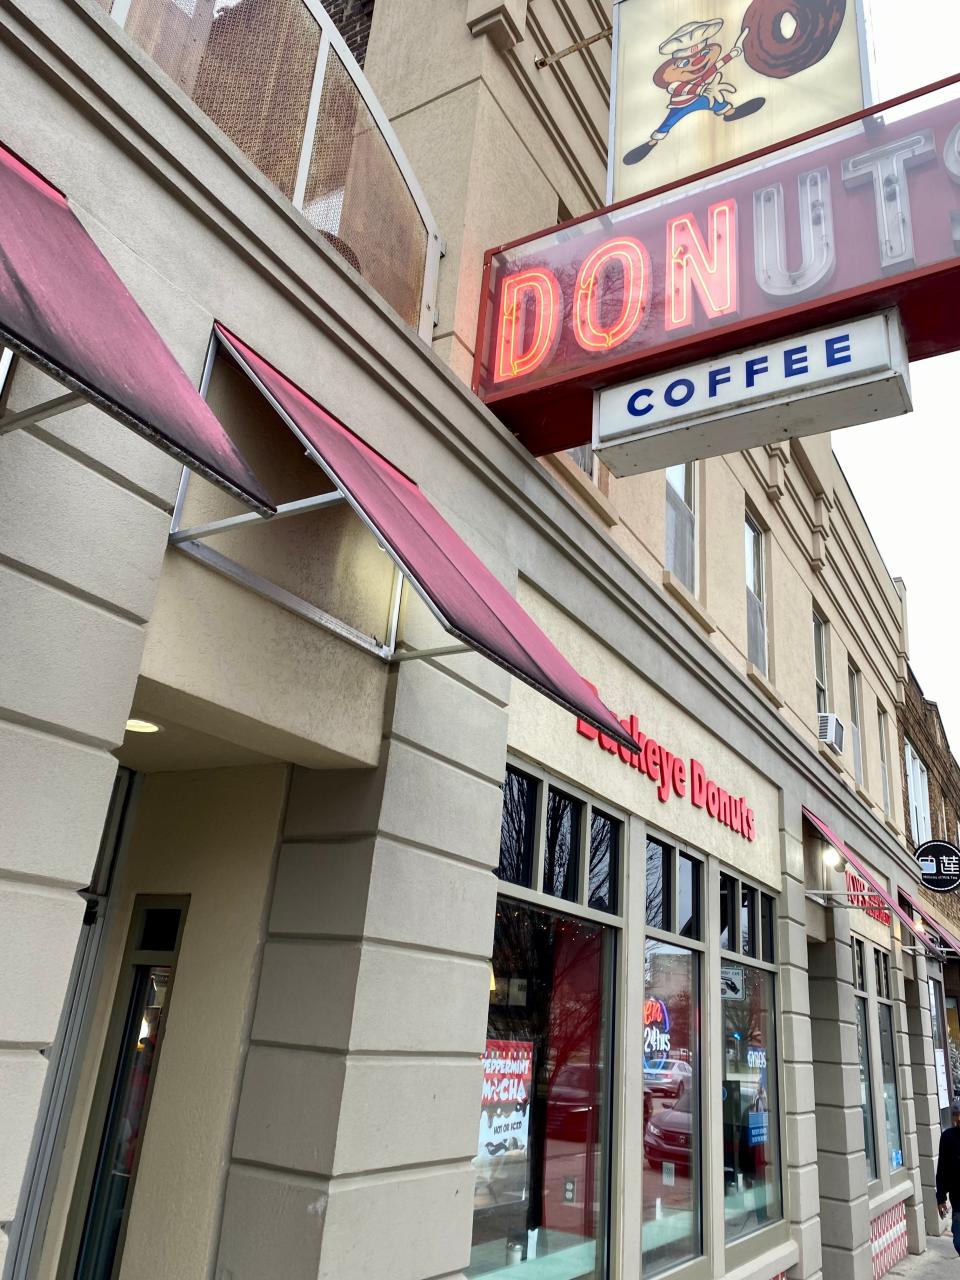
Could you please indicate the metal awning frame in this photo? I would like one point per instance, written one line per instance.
(38, 412)
(831, 901)
(190, 541)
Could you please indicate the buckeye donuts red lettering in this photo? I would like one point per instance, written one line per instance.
(669, 772)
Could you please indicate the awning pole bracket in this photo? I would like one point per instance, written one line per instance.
(40, 412)
(278, 595)
(441, 651)
(284, 512)
(393, 621)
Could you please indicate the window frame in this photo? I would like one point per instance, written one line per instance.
(855, 687)
(616, 983)
(715, 1248)
(535, 892)
(759, 569)
(877, 990)
(918, 789)
(108, 1062)
(744, 1247)
(699, 1265)
(882, 730)
(821, 677)
(672, 494)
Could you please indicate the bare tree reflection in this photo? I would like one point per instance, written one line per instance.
(562, 852)
(517, 827)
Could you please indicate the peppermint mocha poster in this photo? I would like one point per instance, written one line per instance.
(702, 82)
(501, 1159)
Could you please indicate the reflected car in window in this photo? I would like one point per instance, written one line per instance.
(668, 1134)
(669, 1079)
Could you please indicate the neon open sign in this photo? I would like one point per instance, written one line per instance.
(860, 218)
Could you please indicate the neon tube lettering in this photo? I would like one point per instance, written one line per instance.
(634, 261)
(692, 263)
(537, 288)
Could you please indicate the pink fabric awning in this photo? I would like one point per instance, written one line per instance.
(931, 921)
(64, 308)
(458, 588)
(865, 873)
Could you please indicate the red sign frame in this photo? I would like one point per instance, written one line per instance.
(549, 404)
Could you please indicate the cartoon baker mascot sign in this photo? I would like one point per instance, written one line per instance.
(693, 73)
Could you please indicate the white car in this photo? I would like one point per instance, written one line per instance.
(670, 1078)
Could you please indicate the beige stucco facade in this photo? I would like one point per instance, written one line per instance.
(330, 819)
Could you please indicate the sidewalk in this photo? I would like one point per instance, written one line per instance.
(939, 1261)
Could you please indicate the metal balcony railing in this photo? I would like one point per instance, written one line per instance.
(279, 81)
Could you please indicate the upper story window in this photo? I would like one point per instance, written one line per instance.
(559, 844)
(853, 680)
(884, 758)
(279, 81)
(681, 556)
(756, 595)
(582, 456)
(918, 794)
(820, 663)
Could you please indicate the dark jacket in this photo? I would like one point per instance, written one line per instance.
(948, 1168)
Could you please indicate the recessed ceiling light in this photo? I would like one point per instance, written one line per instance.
(142, 726)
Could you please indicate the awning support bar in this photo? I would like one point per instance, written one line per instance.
(39, 412)
(393, 619)
(284, 512)
(442, 651)
(288, 600)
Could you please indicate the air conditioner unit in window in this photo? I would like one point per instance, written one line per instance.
(830, 731)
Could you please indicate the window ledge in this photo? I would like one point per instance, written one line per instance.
(768, 690)
(892, 826)
(674, 587)
(830, 756)
(585, 488)
(864, 795)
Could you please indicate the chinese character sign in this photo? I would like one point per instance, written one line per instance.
(702, 82)
(939, 865)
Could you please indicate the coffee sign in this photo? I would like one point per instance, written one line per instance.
(939, 864)
(858, 220)
(834, 378)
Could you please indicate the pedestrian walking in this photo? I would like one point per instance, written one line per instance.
(948, 1172)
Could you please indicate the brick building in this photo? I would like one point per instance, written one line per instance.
(930, 777)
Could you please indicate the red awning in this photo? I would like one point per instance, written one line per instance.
(63, 307)
(457, 587)
(931, 921)
(865, 873)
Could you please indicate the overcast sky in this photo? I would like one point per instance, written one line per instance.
(905, 472)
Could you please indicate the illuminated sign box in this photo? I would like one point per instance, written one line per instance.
(861, 218)
(823, 381)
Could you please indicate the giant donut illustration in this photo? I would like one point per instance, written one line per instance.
(813, 26)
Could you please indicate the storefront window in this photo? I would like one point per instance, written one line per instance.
(953, 1041)
(751, 1156)
(561, 866)
(604, 860)
(119, 1118)
(543, 1149)
(863, 1056)
(659, 888)
(517, 827)
(940, 1062)
(728, 913)
(888, 1065)
(671, 1106)
(866, 1088)
(688, 897)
